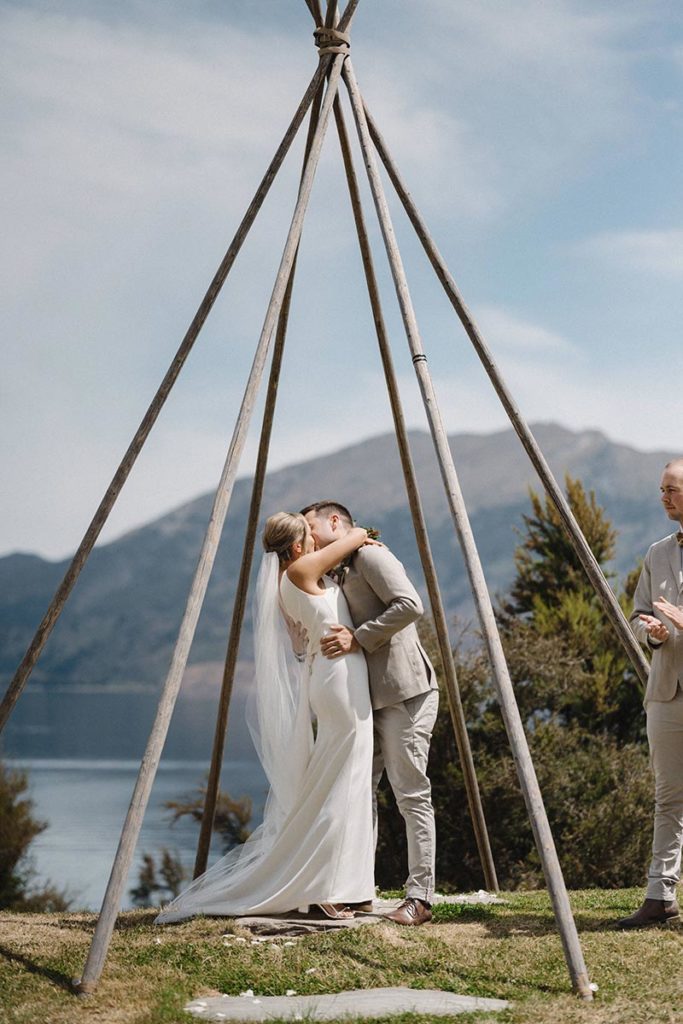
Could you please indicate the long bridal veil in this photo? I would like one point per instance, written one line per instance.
(277, 717)
(279, 722)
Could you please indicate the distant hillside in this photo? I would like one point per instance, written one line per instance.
(120, 624)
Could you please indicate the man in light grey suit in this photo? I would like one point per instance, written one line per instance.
(384, 607)
(657, 621)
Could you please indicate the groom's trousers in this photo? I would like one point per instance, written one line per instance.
(665, 736)
(402, 736)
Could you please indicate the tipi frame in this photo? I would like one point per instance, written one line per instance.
(321, 96)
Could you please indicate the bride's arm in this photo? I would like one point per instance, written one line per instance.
(308, 569)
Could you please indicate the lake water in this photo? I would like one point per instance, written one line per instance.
(85, 803)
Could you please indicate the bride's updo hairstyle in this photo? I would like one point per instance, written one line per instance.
(281, 531)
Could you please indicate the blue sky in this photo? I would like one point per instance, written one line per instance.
(542, 140)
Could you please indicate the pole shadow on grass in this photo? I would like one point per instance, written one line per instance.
(541, 922)
(56, 977)
(127, 921)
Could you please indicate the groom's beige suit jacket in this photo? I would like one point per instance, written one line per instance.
(384, 607)
(661, 576)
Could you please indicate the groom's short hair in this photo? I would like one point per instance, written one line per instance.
(329, 508)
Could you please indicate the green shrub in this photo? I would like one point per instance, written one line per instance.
(18, 829)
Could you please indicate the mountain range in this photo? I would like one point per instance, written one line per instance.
(117, 632)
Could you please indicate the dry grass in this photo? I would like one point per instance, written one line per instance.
(510, 952)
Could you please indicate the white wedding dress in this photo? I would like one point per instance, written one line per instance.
(316, 844)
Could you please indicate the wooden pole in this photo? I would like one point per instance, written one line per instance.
(513, 723)
(62, 593)
(152, 755)
(419, 524)
(213, 781)
(581, 546)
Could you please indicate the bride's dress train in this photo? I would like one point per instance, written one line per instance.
(316, 844)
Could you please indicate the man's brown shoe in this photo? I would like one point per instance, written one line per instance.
(411, 911)
(650, 913)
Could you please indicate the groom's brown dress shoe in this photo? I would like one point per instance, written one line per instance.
(652, 912)
(411, 911)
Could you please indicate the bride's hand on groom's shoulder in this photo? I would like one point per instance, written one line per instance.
(372, 539)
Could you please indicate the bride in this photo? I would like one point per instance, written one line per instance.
(315, 846)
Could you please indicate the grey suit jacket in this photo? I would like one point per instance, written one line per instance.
(661, 577)
(384, 606)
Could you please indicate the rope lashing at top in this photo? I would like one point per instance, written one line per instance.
(331, 40)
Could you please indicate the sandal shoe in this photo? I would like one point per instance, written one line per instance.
(335, 911)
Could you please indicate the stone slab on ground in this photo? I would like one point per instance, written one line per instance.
(371, 1002)
(303, 924)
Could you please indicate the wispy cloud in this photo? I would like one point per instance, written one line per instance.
(657, 253)
(134, 135)
(102, 118)
(507, 332)
(525, 93)
(437, 150)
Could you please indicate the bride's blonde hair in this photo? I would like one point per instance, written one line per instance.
(281, 531)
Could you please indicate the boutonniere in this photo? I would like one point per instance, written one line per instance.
(340, 572)
(373, 533)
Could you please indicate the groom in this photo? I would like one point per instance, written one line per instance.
(384, 607)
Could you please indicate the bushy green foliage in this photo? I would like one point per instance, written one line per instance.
(18, 829)
(158, 883)
(552, 598)
(547, 566)
(584, 721)
(231, 820)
